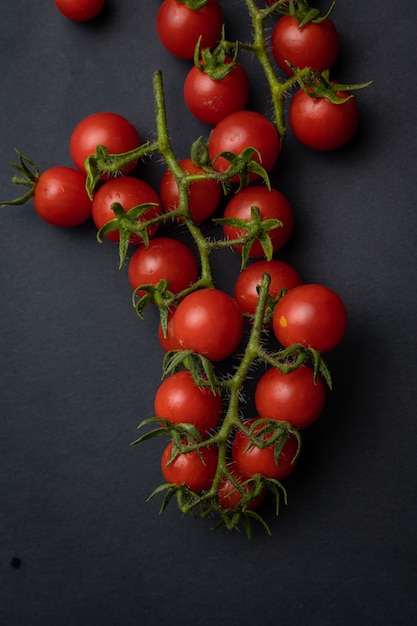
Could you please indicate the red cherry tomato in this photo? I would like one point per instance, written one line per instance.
(209, 322)
(272, 204)
(80, 10)
(294, 397)
(229, 496)
(312, 315)
(252, 460)
(320, 124)
(282, 275)
(179, 27)
(194, 469)
(60, 197)
(179, 400)
(240, 130)
(203, 195)
(164, 258)
(313, 45)
(129, 192)
(111, 130)
(209, 99)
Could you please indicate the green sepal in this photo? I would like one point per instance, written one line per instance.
(28, 176)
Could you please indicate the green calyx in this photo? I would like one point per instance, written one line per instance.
(318, 85)
(194, 5)
(215, 63)
(28, 176)
(303, 13)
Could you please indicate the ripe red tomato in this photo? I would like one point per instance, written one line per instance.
(194, 469)
(209, 99)
(203, 195)
(111, 130)
(80, 10)
(60, 197)
(179, 400)
(320, 124)
(253, 460)
(282, 275)
(312, 315)
(209, 322)
(129, 192)
(240, 130)
(169, 342)
(294, 397)
(272, 204)
(179, 27)
(164, 258)
(228, 495)
(313, 45)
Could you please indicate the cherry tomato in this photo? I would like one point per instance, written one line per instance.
(194, 469)
(179, 27)
(252, 460)
(320, 124)
(228, 495)
(129, 192)
(169, 341)
(240, 130)
(80, 10)
(179, 400)
(313, 45)
(60, 197)
(209, 99)
(203, 195)
(294, 397)
(111, 130)
(272, 204)
(164, 258)
(209, 322)
(282, 275)
(312, 315)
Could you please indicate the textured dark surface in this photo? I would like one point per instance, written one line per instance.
(78, 543)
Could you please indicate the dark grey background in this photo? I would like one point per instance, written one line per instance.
(79, 369)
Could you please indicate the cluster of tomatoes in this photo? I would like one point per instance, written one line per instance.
(215, 459)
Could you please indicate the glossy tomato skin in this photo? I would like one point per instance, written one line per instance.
(80, 10)
(180, 27)
(311, 314)
(209, 322)
(229, 497)
(179, 400)
(129, 192)
(164, 258)
(314, 45)
(203, 195)
(211, 100)
(240, 130)
(254, 460)
(294, 397)
(60, 197)
(283, 276)
(194, 469)
(109, 129)
(320, 124)
(272, 204)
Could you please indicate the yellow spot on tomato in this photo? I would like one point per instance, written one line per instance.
(283, 321)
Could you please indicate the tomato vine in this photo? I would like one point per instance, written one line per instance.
(268, 438)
